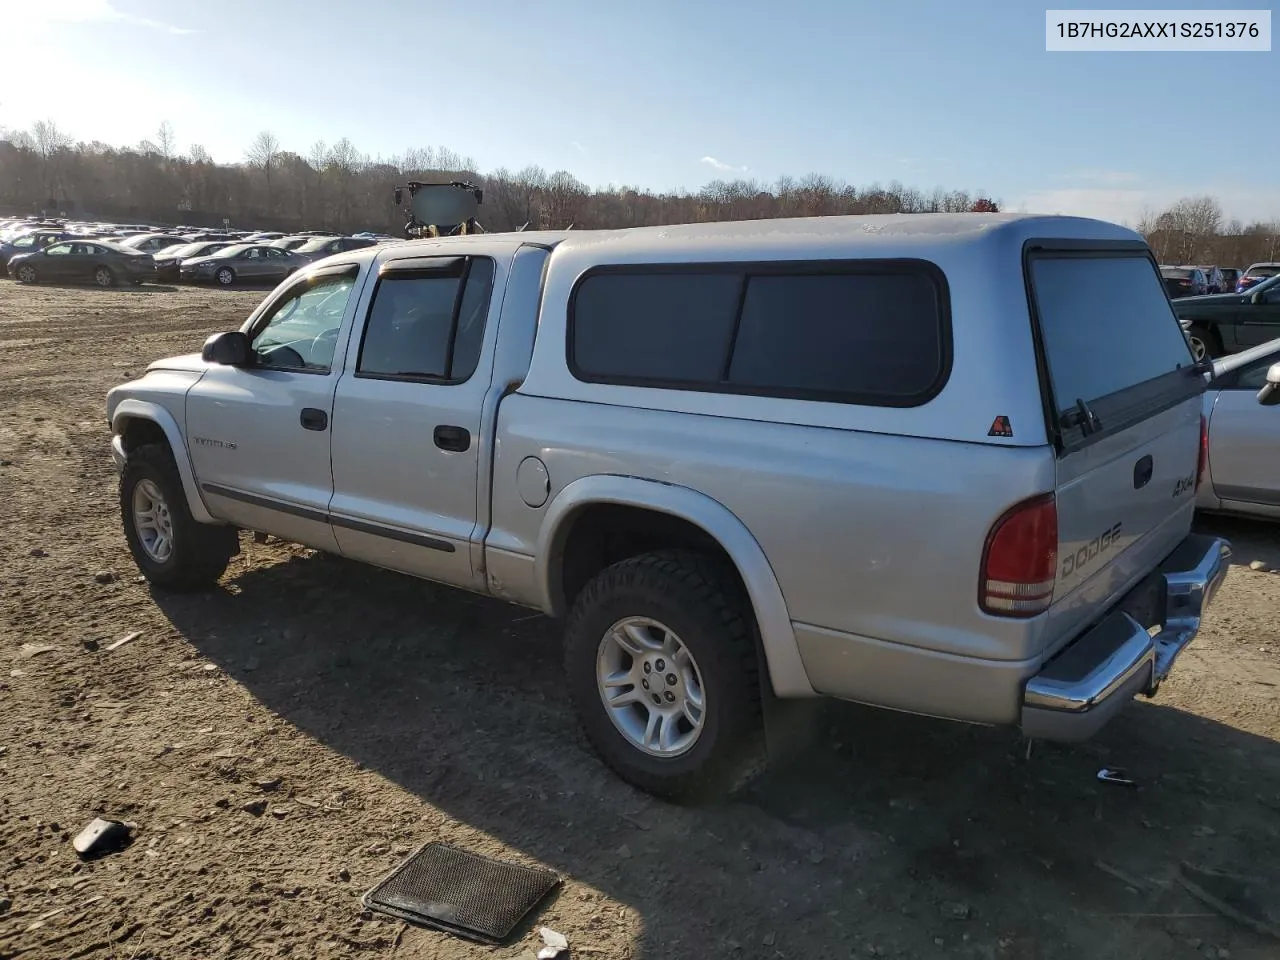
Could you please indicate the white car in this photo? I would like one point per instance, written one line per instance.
(1242, 475)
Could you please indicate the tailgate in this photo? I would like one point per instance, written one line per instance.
(1135, 485)
(1123, 397)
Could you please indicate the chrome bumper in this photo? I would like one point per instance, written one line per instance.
(1131, 651)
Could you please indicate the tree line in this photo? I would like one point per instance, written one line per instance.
(1195, 231)
(335, 186)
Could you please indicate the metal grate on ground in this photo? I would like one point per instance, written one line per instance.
(462, 893)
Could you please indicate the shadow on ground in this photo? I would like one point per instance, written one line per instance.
(1250, 539)
(118, 288)
(877, 833)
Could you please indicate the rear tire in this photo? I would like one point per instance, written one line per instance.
(683, 601)
(174, 551)
(104, 277)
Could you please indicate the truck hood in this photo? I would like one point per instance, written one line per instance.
(187, 363)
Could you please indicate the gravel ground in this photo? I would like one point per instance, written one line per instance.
(285, 740)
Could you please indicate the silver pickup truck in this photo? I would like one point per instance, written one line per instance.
(943, 464)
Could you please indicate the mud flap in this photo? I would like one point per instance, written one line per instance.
(787, 729)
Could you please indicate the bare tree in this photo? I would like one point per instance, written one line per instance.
(343, 158)
(264, 153)
(166, 142)
(318, 154)
(49, 143)
(313, 189)
(48, 139)
(342, 163)
(199, 154)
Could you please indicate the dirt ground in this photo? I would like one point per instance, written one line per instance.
(393, 712)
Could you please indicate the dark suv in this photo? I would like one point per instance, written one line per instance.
(30, 242)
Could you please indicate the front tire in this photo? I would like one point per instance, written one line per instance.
(104, 277)
(661, 664)
(173, 550)
(27, 274)
(225, 277)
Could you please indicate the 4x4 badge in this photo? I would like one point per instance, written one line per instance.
(1000, 428)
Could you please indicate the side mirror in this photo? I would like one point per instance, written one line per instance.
(1269, 395)
(230, 349)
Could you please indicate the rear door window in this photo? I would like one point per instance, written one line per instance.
(1106, 328)
(427, 325)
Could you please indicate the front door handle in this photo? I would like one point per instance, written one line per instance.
(456, 439)
(313, 419)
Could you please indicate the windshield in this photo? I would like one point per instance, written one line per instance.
(1175, 273)
(1270, 270)
(311, 246)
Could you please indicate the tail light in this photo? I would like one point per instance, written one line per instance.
(1020, 560)
(1204, 450)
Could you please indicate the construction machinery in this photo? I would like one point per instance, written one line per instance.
(440, 209)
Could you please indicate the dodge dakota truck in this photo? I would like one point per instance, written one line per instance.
(877, 458)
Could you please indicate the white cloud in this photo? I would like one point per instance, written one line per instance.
(720, 165)
(37, 16)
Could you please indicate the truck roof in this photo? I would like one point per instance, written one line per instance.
(807, 233)
(853, 231)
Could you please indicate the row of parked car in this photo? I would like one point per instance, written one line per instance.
(1197, 281)
(109, 254)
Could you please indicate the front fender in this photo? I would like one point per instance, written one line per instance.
(127, 410)
(786, 671)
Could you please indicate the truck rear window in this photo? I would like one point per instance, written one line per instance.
(1106, 325)
(866, 332)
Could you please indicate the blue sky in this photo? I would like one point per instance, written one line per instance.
(669, 94)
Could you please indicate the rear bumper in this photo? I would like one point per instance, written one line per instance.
(1131, 651)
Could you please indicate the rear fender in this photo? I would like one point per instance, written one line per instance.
(777, 638)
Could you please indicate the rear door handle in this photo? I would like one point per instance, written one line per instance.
(313, 419)
(452, 438)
